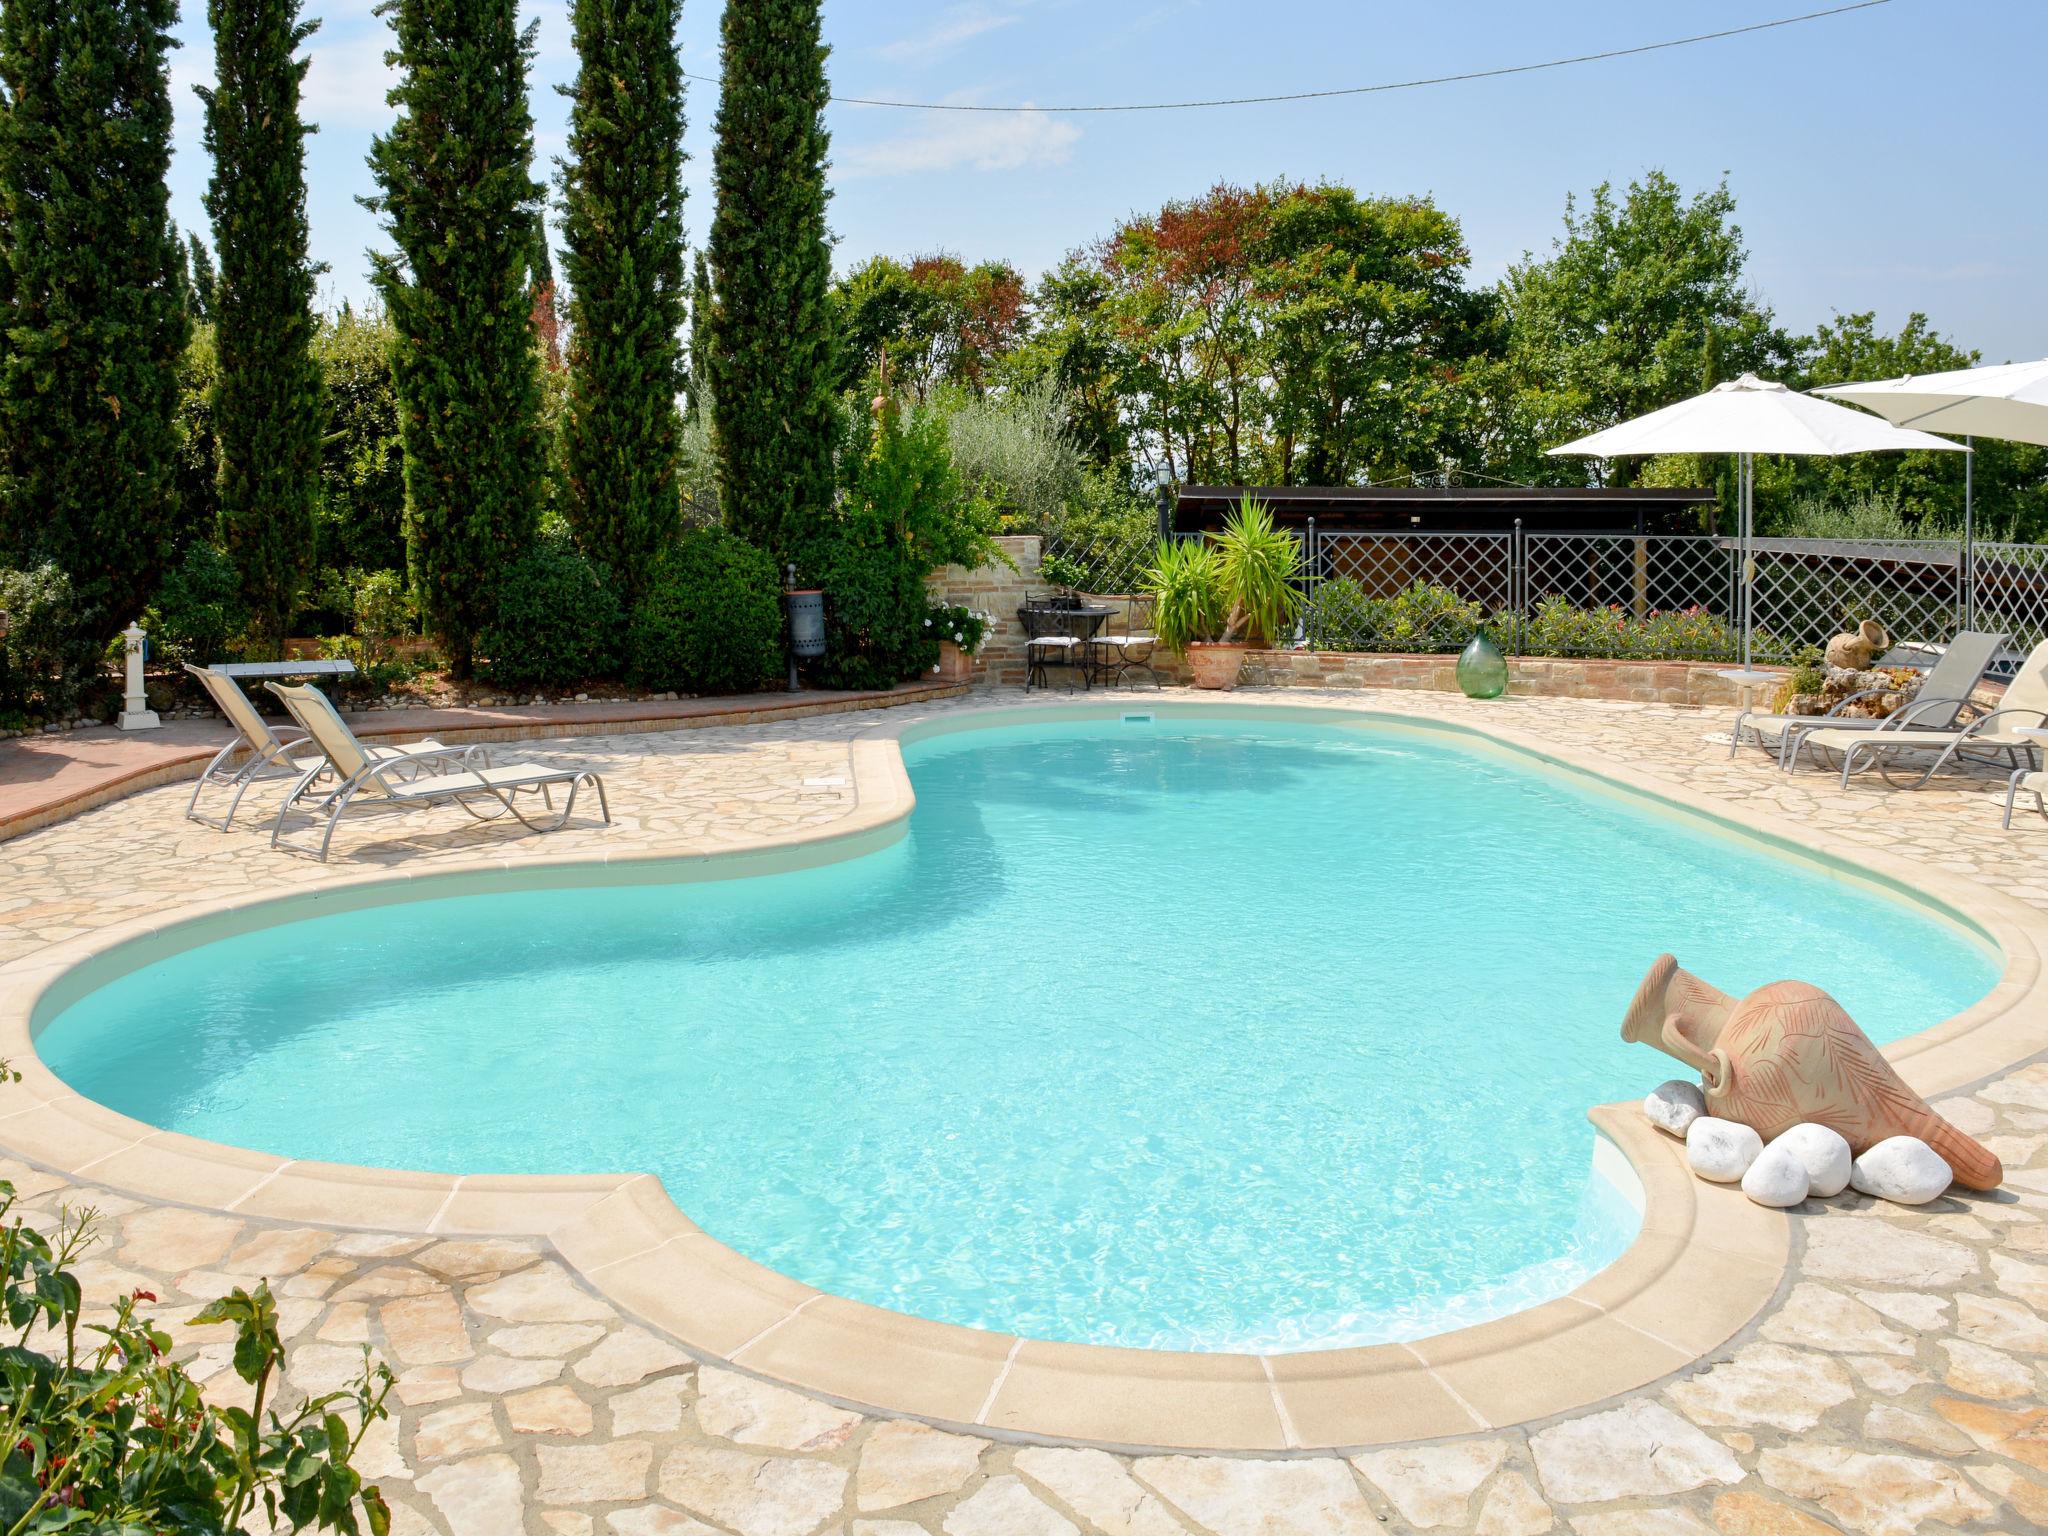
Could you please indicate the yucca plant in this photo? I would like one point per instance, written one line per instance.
(1260, 565)
(1186, 584)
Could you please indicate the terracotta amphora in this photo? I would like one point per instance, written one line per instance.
(1786, 1053)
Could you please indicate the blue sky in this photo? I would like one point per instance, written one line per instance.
(1890, 159)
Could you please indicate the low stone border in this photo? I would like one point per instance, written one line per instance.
(1705, 1263)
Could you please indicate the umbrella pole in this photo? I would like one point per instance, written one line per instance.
(1746, 479)
(1969, 533)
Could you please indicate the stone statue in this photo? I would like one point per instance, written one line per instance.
(1789, 1053)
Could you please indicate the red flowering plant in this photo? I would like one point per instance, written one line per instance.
(103, 1431)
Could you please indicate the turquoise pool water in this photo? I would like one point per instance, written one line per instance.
(1188, 1034)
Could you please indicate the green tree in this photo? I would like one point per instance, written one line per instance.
(204, 278)
(547, 306)
(269, 416)
(458, 197)
(1925, 489)
(696, 377)
(1073, 345)
(1641, 302)
(772, 346)
(1374, 337)
(198, 459)
(1185, 312)
(92, 314)
(362, 503)
(938, 321)
(1275, 333)
(622, 231)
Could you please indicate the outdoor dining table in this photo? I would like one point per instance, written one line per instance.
(1083, 621)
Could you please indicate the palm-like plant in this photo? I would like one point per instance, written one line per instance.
(1260, 565)
(1186, 583)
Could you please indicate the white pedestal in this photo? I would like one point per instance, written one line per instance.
(1746, 683)
(136, 715)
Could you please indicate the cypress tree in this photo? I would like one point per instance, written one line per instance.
(269, 415)
(622, 250)
(92, 307)
(772, 348)
(459, 199)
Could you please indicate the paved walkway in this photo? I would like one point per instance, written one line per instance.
(1897, 1386)
(44, 777)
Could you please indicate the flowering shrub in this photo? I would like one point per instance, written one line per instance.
(1557, 628)
(1428, 617)
(113, 1436)
(1424, 617)
(965, 627)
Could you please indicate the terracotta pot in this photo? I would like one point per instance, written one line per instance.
(955, 665)
(1215, 665)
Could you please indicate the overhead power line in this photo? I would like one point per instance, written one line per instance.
(1362, 90)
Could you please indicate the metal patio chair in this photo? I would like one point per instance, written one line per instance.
(1133, 649)
(1053, 637)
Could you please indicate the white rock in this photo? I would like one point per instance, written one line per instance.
(1777, 1177)
(1673, 1106)
(1825, 1154)
(1903, 1169)
(1721, 1150)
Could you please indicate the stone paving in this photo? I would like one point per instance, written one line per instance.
(1898, 1385)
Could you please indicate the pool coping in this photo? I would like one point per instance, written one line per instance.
(1706, 1262)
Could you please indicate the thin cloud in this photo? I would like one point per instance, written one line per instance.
(960, 24)
(991, 143)
(348, 79)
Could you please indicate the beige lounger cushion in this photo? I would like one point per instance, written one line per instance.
(1841, 740)
(1850, 723)
(510, 776)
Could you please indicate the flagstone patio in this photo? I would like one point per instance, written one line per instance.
(1895, 1385)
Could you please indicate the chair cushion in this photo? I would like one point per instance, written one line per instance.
(510, 776)
(1839, 737)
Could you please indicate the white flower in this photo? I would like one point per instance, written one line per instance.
(927, 623)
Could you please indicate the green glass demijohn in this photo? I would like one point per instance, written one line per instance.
(1482, 670)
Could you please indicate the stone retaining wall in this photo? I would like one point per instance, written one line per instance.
(1000, 590)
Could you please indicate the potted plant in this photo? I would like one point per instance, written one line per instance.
(960, 632)
(1215, 599)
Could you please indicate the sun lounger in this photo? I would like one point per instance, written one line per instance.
(1984, 739)
(1937, 704)
(270, 750)
(364, 779)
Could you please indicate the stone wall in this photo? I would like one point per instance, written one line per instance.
(1695, 684)
(1000, 590)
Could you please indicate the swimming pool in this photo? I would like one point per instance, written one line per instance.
(1182, 1033)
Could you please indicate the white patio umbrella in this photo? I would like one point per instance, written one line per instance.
(2005, 400)
(2008, 400)
(1745, 417)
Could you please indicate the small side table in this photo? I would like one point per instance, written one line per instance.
(1746, 681)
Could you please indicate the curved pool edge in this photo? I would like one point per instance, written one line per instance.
(1705, 1263)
